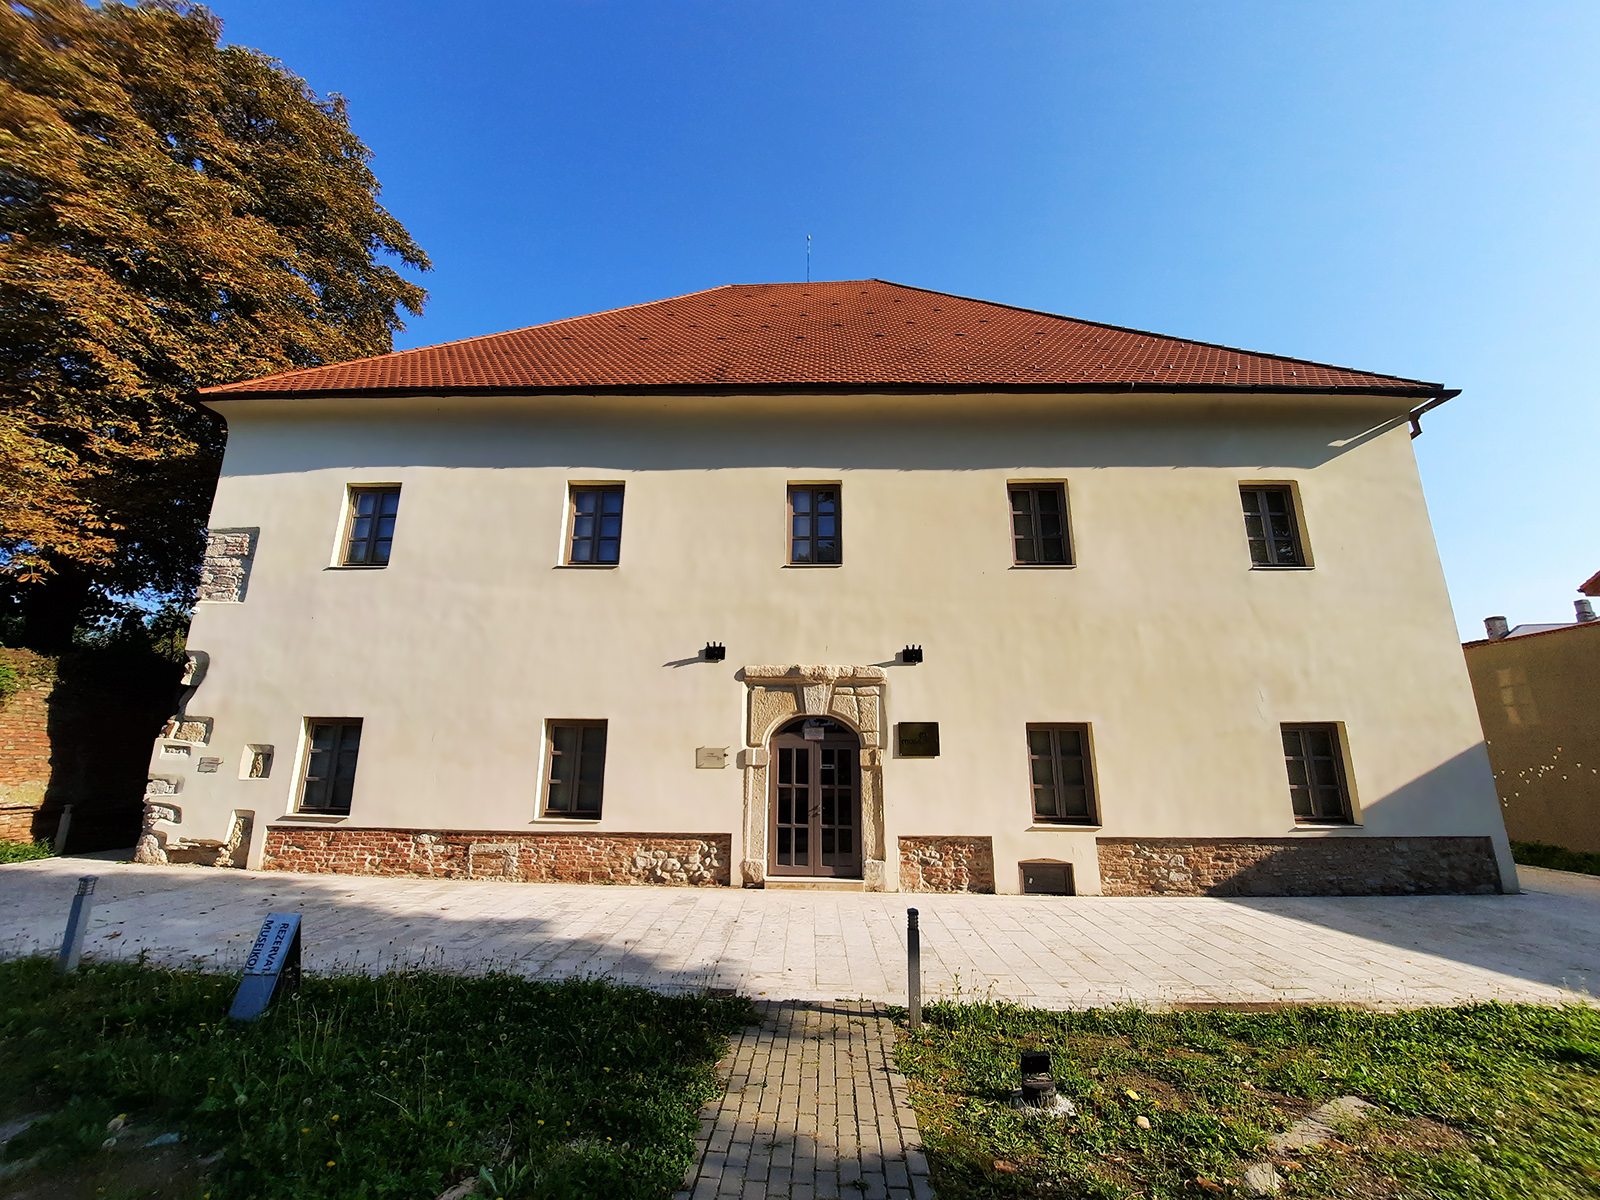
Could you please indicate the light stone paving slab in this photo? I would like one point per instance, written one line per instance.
(1071, 952)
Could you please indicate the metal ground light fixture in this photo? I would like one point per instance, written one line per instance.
(1038, 1084)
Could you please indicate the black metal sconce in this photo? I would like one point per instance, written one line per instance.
(714, 652)
(911, 654)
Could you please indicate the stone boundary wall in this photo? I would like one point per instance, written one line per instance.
(947, 864)
(1320, 866)
(25, 747)
(683, 860)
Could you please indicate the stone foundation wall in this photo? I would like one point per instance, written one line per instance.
(25, 748)
(947, 864)
(1324, 866)
(684, 860)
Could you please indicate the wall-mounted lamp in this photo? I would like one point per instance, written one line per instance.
(911, 654)
(714, 652)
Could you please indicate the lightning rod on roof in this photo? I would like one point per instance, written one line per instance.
(808, 258)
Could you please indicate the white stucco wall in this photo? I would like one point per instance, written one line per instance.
(1182, 658)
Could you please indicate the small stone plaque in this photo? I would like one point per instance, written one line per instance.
(918, 739)
(711, 758)
(208, 766)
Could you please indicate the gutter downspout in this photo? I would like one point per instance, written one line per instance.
(1416, 413)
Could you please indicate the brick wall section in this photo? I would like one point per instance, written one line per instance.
(683, 860)
(25, 747)
(1323, 866)
(947, 864)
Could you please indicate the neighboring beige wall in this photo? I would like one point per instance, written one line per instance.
(1182, 658)
(1539, 698)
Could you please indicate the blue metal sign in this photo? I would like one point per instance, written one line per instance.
(273, 966)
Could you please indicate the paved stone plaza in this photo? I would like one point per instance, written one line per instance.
(1541, 946)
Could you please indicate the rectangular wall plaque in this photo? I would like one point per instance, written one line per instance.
(918, 739)
(711, 758)
(208, 766)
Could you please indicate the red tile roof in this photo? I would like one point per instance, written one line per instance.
(1591, 587)
(857, 334)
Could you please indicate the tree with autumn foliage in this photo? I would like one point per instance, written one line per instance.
(174, 213)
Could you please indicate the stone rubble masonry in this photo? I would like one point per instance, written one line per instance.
(674, 859)
(947, 864)
(25, 746)
(1313, 866)
(225, 571)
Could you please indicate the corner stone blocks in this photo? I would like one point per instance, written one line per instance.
(1322, 866)
(683, 860)
(947, 864)
(225, 571)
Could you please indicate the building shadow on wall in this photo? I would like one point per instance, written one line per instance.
(105, 712)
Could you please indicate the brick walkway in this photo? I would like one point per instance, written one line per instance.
(814, 1110)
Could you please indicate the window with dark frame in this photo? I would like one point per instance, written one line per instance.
(330, 778)
(596, 527)
(1317, 787)
(814, 526)
(1058, 759)
(1039, 525)
(370, 533)
(576, 777)
(1271, 527)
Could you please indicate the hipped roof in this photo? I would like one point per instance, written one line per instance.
(865, 334)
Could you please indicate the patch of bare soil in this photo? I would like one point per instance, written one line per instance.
(1352, 1164)
(129, 1171)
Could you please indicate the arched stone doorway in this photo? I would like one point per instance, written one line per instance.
(814, 800)
(852, 697)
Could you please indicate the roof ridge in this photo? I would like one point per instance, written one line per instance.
(1165, 337)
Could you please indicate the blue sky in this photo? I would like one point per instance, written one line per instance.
(1401, 187)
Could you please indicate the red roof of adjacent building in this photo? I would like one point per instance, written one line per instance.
(856, 334)
(1591, 587)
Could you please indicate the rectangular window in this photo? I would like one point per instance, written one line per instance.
(1039, 525)
(577, 768)
(814, 525)
(1270, 526)
(330, 766)
(596, 526)
(1058, 756)
(371, 529)
(1316, 774)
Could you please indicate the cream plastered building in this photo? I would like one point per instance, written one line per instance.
(640, 597)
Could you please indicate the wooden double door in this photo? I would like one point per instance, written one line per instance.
(814, 800)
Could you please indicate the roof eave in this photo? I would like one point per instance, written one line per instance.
(1423, 392)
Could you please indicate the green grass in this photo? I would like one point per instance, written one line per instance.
(1557, 858)
(1493, 1102)
(12, 852)
(399, 1085)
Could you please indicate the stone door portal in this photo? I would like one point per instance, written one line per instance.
(814, 807)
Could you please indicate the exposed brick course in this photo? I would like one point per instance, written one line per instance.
(684, 860)
(947, 864)
(1322, 866)
(25, 748)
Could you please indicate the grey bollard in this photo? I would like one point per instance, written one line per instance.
(913, 970)
(77, 925)
(58, 844)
